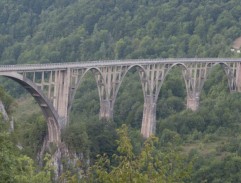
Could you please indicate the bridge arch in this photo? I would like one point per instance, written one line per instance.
(80, 79)
(125, 86)
(53, 120)
(228, 71)
(170, 68)
(127, 71)
(107, 92)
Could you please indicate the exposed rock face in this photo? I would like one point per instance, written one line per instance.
(3, 111)
(58, 152)
(6, 117)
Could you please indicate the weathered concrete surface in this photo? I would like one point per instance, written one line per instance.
(106, 110)
(238, 77)
(193, 103)
(148, 127)
(61, 95)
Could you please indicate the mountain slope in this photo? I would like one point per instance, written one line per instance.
(63, 31)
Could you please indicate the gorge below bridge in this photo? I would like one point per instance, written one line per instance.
(54, 85)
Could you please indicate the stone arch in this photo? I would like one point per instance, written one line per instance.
(52, 117)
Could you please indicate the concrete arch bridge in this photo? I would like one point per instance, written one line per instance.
(54, 85)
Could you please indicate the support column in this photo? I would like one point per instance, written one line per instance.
(61, 95)
(238, 77)
(148, 126)
(152, 77)
(232, 70)
(195, 75)
(106, 110)
(193, 102)
(109, 79)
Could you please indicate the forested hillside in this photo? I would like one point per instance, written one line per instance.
(202, 146)
(64, 31)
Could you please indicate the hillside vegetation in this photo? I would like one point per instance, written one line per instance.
(206, 143)
(71, 30)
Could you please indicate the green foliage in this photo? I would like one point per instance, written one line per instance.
(227, 170)
(7, 100)
(102, 136)
(47, 31)
(7, 158)
(151, 165)
(17, 168)
(76, 137)
(32, 137)
(26, 172)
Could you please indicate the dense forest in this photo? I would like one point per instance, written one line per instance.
(201, 146)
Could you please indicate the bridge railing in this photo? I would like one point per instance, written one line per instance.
(97, 63)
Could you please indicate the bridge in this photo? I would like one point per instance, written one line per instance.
(54, 85)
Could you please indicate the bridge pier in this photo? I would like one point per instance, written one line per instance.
(106, 110)
(152, 77)
(195, 74)
(148, 126)
(238, 77)
(61, 95)
(193, 102)
(108, 79)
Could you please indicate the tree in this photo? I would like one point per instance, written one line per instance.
(26, 172)
(7, 159)
(150, 165)
(17, 168)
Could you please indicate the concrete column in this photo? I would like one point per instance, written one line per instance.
(106, 110)
(238, 77)
(194, 76)
(148, 126)
(108, 81)
(61, 95)
(152, 77)
(193, 102)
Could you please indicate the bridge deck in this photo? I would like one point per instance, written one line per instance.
(84, 64)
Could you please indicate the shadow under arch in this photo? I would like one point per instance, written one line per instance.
(51, 115)
(172, 91)
(167, 73)
(137, 67)
(128, 106)
(228, 71)
(79, 82)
